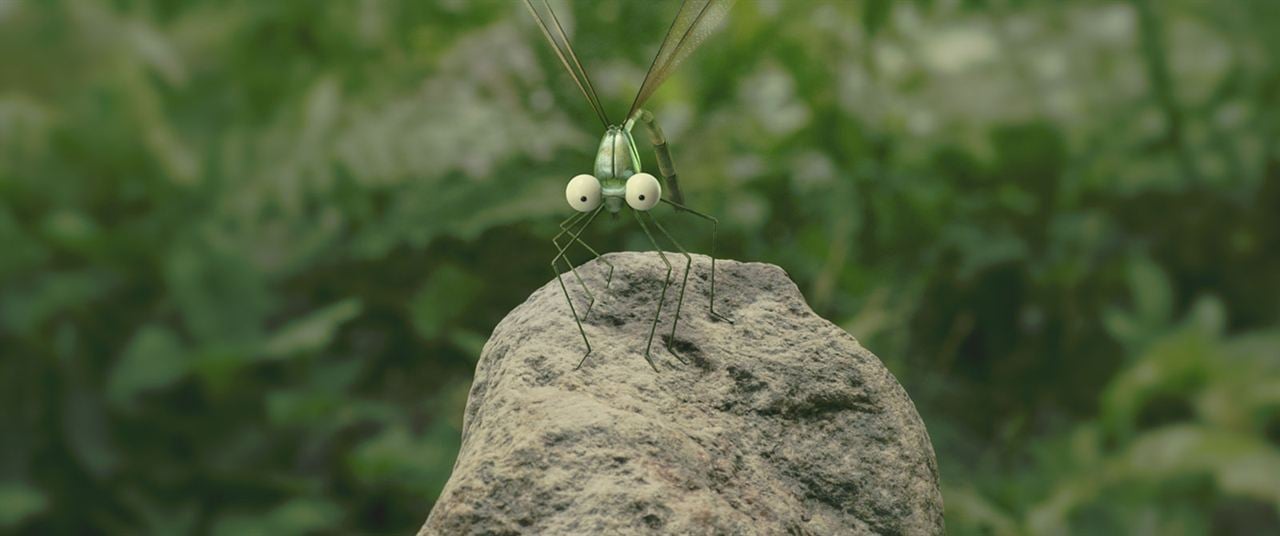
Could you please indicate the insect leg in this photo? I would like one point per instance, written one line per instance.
(688, 263)
(560, 279)
(563, 251)
(608, 279)
(715, 224)
(661, 297)
(659, 141)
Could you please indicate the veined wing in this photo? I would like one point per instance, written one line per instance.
(695, 21)
(547, 21)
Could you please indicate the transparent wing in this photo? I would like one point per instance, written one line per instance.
(554, 32)
(695, 21)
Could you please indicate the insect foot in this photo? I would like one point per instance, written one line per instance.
(781, 411)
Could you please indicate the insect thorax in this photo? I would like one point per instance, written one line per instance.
(617, 158)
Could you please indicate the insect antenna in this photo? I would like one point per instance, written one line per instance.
(587, 90)
(595, 98)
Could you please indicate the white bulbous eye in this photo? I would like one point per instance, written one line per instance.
(643, 191)
(583, 193)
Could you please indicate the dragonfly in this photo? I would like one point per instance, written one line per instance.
(617, 181)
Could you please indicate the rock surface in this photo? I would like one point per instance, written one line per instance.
(779, 423)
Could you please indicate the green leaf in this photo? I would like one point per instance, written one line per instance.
(33, 303)
(22, 252)
(297, 516)
(302, 407)
(69, 229)
(322, 403)
(416, 463)
(1241, 464)
(1208, 316)
(154, 359)
(157, 513)
(469, 342)
(875, 13)
(19, 502)
(1173, 365)
(221, 295)
(968, 506)
(442, 298)
(313, 332)
(86, 426)
(1152, 292)
(1122, 326)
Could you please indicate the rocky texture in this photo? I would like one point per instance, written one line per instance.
(780, 423)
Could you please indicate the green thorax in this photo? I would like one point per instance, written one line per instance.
(616, 161)
(617, 158)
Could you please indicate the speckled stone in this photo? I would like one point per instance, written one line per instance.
(779, 423)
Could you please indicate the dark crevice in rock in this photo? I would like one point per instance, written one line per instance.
(744, 380)
(688, 350)
(612, 320)
(821, 404)
(653, 521)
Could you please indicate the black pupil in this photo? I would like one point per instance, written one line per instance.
(642, 197)
(584, 199)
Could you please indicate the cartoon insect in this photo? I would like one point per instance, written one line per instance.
(618, 176)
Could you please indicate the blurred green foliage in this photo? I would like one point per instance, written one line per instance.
(249, 251)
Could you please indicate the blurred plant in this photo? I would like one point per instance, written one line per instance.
(249, 251)
(1183, 431)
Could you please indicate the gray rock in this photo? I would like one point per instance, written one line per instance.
(780, 423)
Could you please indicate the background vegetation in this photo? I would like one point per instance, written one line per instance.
(249, 250)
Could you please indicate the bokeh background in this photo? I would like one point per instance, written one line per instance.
(250, 250)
